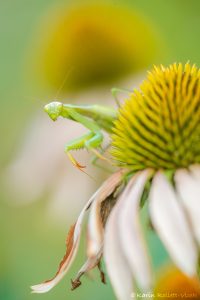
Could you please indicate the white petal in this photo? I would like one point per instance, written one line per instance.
(95, 226)
(131, 232)
(116, 264)
(170, 222)
(90, 263)
(74, 237)
(188, 187)
(69, 257)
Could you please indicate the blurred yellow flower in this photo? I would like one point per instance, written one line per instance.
(92, 44)
(77, 46)
(173, 284)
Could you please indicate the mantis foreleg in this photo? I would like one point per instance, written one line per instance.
(90, 141)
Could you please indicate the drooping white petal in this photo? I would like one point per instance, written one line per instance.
(131, 232)
(188, 187)
(74, 236)
(90, 263)
(170, 222)
(72, 247)
(95, 226)
(116, 264)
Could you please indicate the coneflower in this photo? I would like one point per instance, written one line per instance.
(156, 144)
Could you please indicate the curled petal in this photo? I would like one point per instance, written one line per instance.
(170, 222)
(90, 263)
(117, 266)
(188, 187)
(95, 229)
(72, 247)
(95, 226)
(74, 238)
(131, 232)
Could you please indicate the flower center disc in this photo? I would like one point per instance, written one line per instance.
(159, 126)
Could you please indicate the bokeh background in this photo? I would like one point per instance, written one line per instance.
(34, 69)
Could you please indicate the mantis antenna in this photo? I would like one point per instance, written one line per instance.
(67, 74)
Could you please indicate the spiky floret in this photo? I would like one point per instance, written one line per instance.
(159, 126)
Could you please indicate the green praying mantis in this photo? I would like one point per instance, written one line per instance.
(94, 117)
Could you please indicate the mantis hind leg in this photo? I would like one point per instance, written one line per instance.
(94, 143)
(95, 158)
(115, 92)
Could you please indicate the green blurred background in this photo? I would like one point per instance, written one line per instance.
(31, 243)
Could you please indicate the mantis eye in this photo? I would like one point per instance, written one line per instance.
(53, 109)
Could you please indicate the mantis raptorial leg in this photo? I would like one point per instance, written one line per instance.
(91, 140)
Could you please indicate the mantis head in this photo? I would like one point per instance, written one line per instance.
(54, 109)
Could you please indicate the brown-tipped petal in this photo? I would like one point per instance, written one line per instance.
(117, 266)
(73, 241)
(95, 226)
(90, 263)
(188, 187)
(170, 222)
(131, 232)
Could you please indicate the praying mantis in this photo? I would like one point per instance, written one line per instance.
(94, 117)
